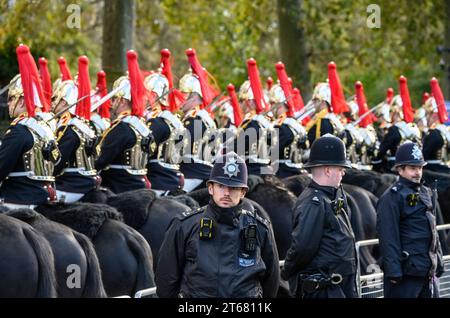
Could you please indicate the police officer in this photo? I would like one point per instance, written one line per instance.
(406, 226)
(28, 150)
(125, 146)
(321, 260)
(225, 249)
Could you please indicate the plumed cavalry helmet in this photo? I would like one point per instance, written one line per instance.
(230, 170)
(328, 150)
(409, 154)
(158, 84)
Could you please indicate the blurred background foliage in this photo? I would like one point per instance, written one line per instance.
(226, 33)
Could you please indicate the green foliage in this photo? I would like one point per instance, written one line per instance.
(226, 33)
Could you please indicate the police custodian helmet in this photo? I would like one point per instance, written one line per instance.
(230, 170)
(327, 150)
(409, 154)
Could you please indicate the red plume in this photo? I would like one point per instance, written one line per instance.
(31, 82)
(255, 84)
(136, 83)
(46, 83)
(298, 100)
(235, 103)
(425, 97)
(65, 72)
(362, 106)
(286, 86)
(102, 88)
(439, 98)
(176, 98)
(408, 111)
(389, 95)
(83, 108)
(208, 91)
(337, 94)
(269, 83)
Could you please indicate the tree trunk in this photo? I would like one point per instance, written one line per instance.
(118, 36)
(446, 52)
(292, 41)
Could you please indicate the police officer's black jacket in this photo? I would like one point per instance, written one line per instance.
(220, 266)
(322, 239)
(120, 138)
(403, 224)
(19, 190)
(71, 181)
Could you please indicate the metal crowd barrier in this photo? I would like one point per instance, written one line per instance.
(371, 285)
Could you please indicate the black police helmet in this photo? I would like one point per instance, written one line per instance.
(327, 150)
(230, 170)
(409, 154)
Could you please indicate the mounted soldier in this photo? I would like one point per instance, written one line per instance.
(256, 129)
(402, 129)
(292, 138)
(75, 173)
(163, 169)
(437, 138)
(29, 150)
(329, 101)
(126, 144)
(200, 127)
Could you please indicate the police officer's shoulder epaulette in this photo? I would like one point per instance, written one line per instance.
(316, 197)
(258, 217)
(396, 187)
(187, 214)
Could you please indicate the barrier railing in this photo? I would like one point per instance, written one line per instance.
(373, 283)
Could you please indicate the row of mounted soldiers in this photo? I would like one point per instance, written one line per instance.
(67, 139)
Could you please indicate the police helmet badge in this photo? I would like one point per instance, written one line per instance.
(416, 153)
(231, 168)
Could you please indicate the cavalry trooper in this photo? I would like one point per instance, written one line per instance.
(75, 173)
(328, 100)
(402, 129)
(28, 150)
(321, 261)
(224, 249)
(199, 138)
(256, 131)
(291, 134)
(163, 169)
(126, 144)
(406, 226)
(437, 138)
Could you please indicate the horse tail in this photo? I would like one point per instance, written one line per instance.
(141, 250)
(93, 285)
(46, 262)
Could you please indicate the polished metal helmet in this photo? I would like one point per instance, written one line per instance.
(397, 106)
(15, 89)
(245, 91)
(430, 105)
(353, 107)
(67, 91)
(124, 83)
(322, 92)
(158, 84)
(190, 83)
(276, 94)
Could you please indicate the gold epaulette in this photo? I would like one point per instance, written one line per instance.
(319, 116)
(19, 118)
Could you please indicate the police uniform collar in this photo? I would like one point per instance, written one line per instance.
(330, 191)
(225, 215)
(409, 183)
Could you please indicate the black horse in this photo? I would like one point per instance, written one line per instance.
(26, 261)
(69, 248)
(124, 255)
